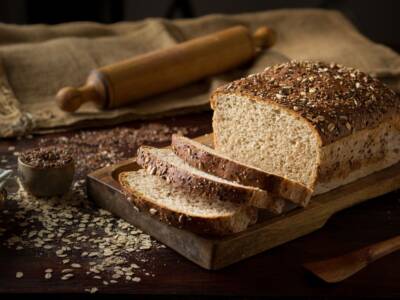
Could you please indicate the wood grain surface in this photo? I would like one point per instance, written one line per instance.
(277, 272)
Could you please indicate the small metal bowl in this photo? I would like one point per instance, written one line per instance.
(46, 182)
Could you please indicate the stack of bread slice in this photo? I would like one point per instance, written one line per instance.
(194, 187)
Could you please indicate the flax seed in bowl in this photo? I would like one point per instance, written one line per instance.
(46, 171)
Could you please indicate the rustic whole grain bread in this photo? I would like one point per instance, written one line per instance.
(323, 125)
(164, 163)
(208, 160)
(192, 212)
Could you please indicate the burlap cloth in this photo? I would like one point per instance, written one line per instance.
(36, 61)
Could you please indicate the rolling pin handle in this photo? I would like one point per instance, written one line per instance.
(70, 99)
(264, 37)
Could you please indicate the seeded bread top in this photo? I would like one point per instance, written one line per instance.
(336, 100)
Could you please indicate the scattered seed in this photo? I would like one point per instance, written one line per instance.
(19, 275)
(51, 225)
(67, 270)
(135, 266)
(92, 290)
(67, 276)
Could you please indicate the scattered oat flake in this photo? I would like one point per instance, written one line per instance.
(51, 225)
(67, 276)
(92, 290)
(135, 266)
(66, 270)
(19, 275)
(47, 275)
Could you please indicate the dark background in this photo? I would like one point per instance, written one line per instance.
(379, 20)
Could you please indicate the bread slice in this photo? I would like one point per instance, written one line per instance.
(164, 163)
(192, 212)
(210, 161)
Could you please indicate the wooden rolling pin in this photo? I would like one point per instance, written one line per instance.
(163, 70)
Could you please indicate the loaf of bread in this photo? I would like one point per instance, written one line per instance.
(322, 125)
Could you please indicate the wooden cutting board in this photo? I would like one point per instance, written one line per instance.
(270, 231)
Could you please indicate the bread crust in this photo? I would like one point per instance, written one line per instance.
(218, 226)
(198, 156)
(206, 187)
(335, 100)
(359, 155)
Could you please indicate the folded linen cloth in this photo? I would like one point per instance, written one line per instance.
(37, 60)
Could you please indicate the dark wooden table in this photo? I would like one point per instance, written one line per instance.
(277, 272)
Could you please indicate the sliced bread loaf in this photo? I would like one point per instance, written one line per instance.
(324, 125)
(210, 161)
(192, 212)
(164, 163)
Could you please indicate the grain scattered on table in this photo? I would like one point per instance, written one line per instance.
(67, 276)
(92, 290)
(72, 228)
